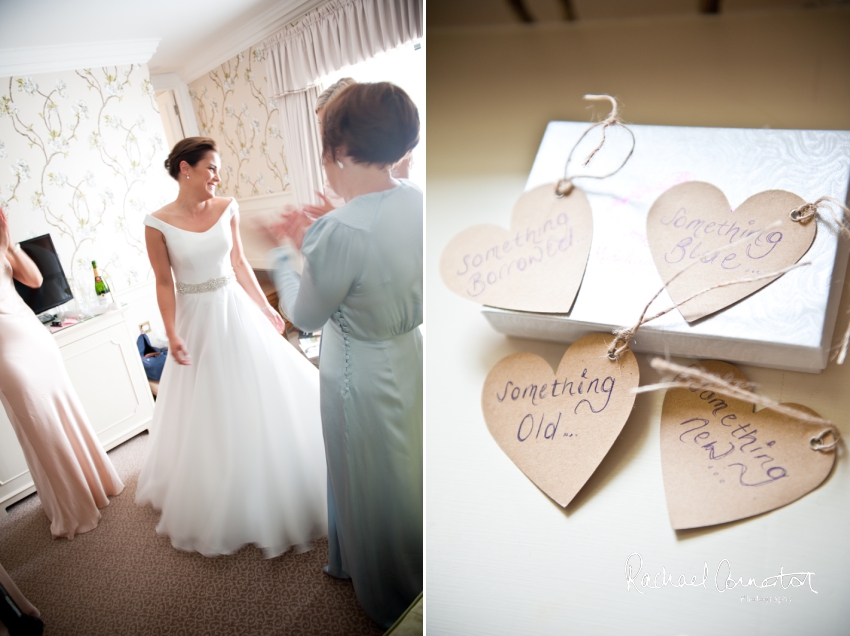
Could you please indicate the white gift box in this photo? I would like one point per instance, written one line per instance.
(788, 324)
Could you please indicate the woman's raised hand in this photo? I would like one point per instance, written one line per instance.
(315, 211)
(294, 222)
(292, 225)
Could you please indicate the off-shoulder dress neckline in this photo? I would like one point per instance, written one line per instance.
(221, 216)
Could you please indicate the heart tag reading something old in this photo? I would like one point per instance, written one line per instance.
(694, 221)
(722, 461)
(538, 264)
(558, 427)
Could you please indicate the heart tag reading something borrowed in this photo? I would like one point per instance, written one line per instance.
(558, 427)
(721, 461)
(538, 264)
(694, 221)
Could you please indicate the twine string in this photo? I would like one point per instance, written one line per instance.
(804, 214)
(741, 391)
(729, 387)
(845, 342)
(624, 335)
(565, 185)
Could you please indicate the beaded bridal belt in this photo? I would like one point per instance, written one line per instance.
(207, 286)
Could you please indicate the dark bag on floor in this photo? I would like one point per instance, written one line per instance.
(16, 622)
(152, 357)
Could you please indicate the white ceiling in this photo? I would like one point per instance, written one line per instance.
(195, 35)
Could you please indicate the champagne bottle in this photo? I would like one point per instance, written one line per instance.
(100, 286)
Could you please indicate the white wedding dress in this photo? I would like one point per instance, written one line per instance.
(236, 453)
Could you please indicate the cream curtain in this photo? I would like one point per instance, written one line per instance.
(337, 34)
(302, 143)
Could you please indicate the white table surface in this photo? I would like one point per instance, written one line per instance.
(502, 558)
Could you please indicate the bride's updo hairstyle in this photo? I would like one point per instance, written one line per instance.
(332, 90)
(371, 123)
(191, 150)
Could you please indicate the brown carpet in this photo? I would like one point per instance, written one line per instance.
(124, 579)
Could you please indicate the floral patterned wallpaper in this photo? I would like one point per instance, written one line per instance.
(232, 106)
(81, 157)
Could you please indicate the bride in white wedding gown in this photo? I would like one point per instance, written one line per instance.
(236, 453)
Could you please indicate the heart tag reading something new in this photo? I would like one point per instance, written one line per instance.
(537, 265)
(558, 427)
(693, 221)
(721, 461)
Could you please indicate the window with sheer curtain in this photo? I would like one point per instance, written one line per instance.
(336, 35)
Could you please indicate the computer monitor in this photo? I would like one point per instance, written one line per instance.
(54, 291)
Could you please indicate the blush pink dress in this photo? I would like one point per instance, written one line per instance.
(72, 474)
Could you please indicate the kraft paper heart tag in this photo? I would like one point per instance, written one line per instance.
(722, 461)
(537, 265)
(557, 427)
(693, 220)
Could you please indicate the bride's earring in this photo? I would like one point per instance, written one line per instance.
(187, 176)
(339, 163)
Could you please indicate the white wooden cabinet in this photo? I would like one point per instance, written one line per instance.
(103, 363)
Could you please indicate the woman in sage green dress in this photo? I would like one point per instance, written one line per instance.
(362, 284)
